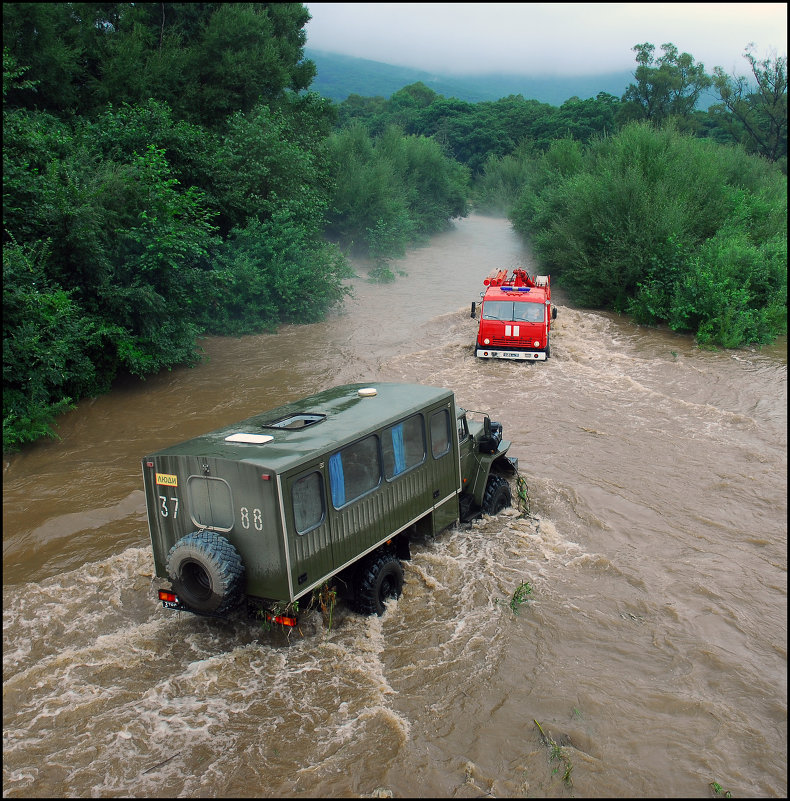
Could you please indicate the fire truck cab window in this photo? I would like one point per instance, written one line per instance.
(513, 312)
(528, 312)
(498, 310)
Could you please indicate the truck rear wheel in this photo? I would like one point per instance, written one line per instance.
(497, 495)
(381, 578)
(206, 572)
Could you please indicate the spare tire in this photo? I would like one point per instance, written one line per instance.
(206, 571)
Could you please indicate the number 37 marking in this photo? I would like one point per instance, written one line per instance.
(164, 510)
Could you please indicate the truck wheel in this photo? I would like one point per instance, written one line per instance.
(497, 495)
(206, 572)
(548, 348)
(381, 578)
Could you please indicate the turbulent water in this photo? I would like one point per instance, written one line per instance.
(650, 658)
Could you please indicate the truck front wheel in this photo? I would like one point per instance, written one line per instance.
(381, 578)
(497, 495)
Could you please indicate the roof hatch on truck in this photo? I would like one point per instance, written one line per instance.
(295, 422)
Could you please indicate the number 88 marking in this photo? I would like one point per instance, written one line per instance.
(257, 518)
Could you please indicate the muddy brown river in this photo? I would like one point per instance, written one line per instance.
(652, 651)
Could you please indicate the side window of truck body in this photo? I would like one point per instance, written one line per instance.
(354, 471)
(307, 497)
(403, 446)
(440, 433)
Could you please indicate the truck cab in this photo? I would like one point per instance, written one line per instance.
(515, 317)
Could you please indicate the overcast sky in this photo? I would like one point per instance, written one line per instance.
(535, 38)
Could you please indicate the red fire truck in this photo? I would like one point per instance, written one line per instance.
(515, 317)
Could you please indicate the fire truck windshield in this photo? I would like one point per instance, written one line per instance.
(510, 311)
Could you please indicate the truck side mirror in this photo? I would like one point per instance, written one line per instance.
(554, 313)
(472, 315)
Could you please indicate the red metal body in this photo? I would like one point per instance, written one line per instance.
(515, 317)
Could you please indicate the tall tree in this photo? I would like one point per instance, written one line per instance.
(757, 105)
(667, 86)
(205, 60)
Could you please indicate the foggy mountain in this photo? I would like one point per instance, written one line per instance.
(338, 76)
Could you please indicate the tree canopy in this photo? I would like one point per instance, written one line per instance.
(754, 109)
(204, 60)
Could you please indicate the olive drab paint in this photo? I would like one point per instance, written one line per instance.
(304, 492)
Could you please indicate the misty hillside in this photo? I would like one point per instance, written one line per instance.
(339, 76)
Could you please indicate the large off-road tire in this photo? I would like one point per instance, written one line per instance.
(380, 578)
(497, 495)
(206, 572)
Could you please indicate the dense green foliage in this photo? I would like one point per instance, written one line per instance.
(168, 174)
(204, 60)
(161, 181)
(392, 191)
(473, 132)
(669, 228)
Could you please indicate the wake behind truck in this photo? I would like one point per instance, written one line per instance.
(515, 317)
(330, 488)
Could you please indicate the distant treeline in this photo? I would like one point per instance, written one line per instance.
(168, 174)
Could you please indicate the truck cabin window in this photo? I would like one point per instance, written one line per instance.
(463, 429)
(440, 433)
(513, 312)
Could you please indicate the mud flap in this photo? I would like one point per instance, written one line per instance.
(505, 464)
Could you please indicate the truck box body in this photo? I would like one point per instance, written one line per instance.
(305, 490)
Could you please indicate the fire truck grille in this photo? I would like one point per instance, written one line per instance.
(509, 342)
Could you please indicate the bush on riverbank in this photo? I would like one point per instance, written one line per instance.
(666, 227)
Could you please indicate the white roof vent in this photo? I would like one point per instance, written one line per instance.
(367, 392)
(250, 439)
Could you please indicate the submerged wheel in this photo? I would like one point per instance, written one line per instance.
(381, 578)
(497, 495)
(206, 571)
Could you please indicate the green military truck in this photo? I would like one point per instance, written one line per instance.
(328, 489)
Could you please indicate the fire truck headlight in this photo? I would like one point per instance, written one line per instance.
(486, 341)
(536, 343)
